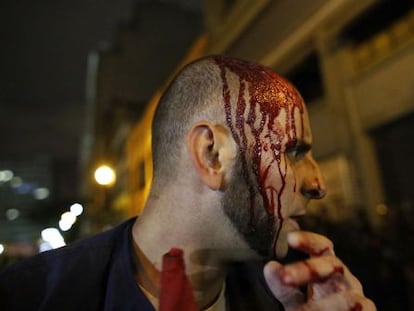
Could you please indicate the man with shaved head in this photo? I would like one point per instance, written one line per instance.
(233, 170)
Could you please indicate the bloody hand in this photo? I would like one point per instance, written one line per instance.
(331, 286)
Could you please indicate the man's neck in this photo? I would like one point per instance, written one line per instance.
(153, 238)
(146, 275)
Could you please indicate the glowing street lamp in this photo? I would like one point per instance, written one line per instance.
(105, 175)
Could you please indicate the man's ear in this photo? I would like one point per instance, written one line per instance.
(212, 150)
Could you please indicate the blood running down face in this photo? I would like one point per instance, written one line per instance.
(269, 123)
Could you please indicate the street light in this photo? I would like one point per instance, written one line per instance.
(105, 175)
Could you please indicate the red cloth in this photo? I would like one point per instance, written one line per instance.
(175, 293)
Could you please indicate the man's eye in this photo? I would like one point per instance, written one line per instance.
(298, 152)
(295, 154)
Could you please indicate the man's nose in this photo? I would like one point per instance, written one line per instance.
(313, 186)
(314, 190)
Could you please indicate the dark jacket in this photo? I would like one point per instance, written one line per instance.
(97, 274)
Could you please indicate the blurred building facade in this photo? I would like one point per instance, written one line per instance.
(33, 196)
(26, 192)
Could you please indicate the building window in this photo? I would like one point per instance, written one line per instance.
(376, 19)
(306, 76)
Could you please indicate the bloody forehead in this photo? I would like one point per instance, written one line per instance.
(268, 95)
(266, 88)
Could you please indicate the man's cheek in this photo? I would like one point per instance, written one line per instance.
(288, 196)
(270, 182)
(273, 195)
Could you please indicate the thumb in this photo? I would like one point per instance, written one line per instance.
(290, 297)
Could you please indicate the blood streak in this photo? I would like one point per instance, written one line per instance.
(311, 251)
(356, 307)
(268, 96)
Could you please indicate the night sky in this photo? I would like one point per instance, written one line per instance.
(43, 57)
(43, 63)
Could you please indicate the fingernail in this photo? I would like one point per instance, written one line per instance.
(285, 277)
(293, 238)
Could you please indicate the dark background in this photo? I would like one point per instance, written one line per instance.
(43, 57)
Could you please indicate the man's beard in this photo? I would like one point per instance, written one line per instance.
(243, 205)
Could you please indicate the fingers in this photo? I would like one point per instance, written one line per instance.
(314, 270)
(330, 283)
(322, 266)
(290, 297)
(345, 301)
(311, 243)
